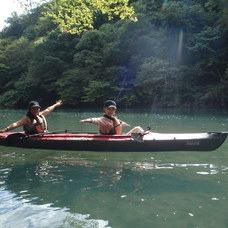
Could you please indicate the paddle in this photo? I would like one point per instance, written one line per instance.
(16, 139)
(138, 137)
(47, 133)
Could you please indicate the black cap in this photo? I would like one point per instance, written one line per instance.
(110, 104)
(33, 104)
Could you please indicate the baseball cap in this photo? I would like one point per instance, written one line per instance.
(110, 104)
(33, 104)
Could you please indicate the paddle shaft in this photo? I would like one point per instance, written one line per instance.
(47, 133)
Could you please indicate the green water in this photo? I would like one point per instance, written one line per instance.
(47, 188)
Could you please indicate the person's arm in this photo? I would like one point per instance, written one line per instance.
(125, 124)
(51, 108)
(25, 120)
(89, 120)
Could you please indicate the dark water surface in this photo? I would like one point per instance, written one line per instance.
(47, 188)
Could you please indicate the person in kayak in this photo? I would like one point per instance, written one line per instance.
(34, 122)
(109, 124)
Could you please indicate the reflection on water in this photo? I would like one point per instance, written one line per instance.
(19, 212)
(78, 192)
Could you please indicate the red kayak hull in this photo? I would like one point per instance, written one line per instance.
(150, 142)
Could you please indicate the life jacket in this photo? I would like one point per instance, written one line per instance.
(38, 124)
(112, 130)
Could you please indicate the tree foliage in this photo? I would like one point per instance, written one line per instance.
(76, 16)
(174, 55)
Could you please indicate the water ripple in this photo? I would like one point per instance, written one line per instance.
(19, 213)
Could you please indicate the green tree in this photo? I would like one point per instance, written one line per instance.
(92, 74)
(15, 28)
(76, 16)
(174, 55)
(158, 80)
(15, 60)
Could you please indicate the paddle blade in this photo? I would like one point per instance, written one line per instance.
(137, 137)
(15, 139)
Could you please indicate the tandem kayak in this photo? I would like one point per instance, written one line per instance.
(147, 142)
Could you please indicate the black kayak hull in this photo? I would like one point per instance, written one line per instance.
(152, 142)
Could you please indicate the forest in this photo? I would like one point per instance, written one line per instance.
(174, 55)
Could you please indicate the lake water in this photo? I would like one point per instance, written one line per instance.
(47, 188)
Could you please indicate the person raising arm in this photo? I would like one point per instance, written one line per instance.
(34, 122)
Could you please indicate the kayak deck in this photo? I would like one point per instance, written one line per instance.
(149, 142)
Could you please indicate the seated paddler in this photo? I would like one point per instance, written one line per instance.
(109, 123)
(34, 122)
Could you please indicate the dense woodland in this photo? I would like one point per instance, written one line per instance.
(175, 55)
